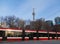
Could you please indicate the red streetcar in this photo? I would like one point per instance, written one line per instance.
(15, 34)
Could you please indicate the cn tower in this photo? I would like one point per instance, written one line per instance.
(33, 13)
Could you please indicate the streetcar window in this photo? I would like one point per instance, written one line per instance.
(2, 33)
(14, 34)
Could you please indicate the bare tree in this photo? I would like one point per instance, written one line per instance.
(10, 20)
(19, 23)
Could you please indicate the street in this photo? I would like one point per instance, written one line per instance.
(33, 42)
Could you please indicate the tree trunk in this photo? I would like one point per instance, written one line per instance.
(56, 35)
(23, 34)
(37, 35)
(48, 35)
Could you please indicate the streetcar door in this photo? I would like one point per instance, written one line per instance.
(2, 33)
(30, 37)
(53, 37)
(3, 36)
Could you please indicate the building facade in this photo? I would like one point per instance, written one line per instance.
(49, 25)
(49, 22)
(57, 20)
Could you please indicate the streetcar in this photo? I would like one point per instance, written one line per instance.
(17, 34)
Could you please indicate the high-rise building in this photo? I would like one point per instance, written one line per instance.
(27, 22)
(41, 22)
(32, 25)
(50, 23)
(57, 20)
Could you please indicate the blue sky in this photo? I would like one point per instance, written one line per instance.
(48, 9)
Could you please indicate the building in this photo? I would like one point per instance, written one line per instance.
(57, 20)
(49, 22)
(3, 25)
(57, 28)
(32, 25)
(38, 24)
(27, 24)
(49, 25)
(41, 23)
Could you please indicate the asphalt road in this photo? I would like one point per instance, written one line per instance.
(33, 42)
